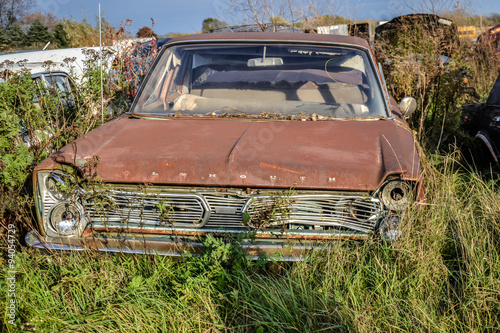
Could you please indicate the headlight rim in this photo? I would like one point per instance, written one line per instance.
(46, 202)
(79, 225)
(408, 190)
(56, 173)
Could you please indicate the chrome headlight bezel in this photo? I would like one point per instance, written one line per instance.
(65, 218)
(397, 195)
(57, 194)
(52, 183)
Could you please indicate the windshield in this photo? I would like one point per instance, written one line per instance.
(262, 79)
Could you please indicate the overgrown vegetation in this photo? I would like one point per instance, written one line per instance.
(427, 61)
(442, 274)
(35, 30)
(37, 120)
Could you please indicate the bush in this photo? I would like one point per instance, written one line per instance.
(433, 66)
(46, 120)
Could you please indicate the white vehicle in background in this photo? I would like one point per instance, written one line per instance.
(71, 61)
(54, 71)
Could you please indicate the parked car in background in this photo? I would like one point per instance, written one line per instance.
(424, 26)
(288, 140)
(58, 84)
(482, 121)
(72, 61)
(490, 39)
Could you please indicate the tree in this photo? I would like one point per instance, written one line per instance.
(495, 18)
(38, 33)
(15, 35)
(10, 10)
(60, 35)
(262, 12)
(278, 20)
(48, 19)
(3, 40)
(211, 23)
(145, 32)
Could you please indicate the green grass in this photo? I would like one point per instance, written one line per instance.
(443, 274)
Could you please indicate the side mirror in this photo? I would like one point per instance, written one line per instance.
(408, 105)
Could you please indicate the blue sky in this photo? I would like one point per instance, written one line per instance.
(188, 15)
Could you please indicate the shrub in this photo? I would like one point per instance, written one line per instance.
(430, 64)
(47, 120)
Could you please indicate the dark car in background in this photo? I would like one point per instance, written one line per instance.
(482, 121)
(424, 27)
(490, 39)
(287, 141)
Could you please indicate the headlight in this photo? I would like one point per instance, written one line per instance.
(59, 205)
(388, 228)
(65, 218)
(56, 186)
(397, 195)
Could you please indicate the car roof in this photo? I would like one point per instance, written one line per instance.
(272, 36)
(35, 61)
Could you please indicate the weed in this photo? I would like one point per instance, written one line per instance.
(165, 208)
(270, 211)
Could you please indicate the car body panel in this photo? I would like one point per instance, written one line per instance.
(354, 155)
(491, 38)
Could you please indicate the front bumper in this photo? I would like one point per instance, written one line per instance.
(283, 245)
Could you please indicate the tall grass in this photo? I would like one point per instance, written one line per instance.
(442, 274)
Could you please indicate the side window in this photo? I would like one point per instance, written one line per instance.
(40, 86)
(60, 84)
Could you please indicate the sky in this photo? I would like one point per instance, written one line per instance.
(187, 15)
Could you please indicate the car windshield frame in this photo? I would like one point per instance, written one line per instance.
(359, 74)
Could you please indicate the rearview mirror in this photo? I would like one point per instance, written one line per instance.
(264, 62)
(408, 105)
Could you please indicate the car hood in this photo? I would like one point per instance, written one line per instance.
(352, 155)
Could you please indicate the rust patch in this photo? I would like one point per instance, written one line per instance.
(275, 167)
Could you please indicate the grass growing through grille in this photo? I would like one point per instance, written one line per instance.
(443, 274)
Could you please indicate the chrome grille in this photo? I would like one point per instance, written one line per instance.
(212, 209)
(49, 203)
(225, 210)
(318, 211)
(170, 209)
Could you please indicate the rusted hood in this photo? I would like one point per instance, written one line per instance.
(334, 154)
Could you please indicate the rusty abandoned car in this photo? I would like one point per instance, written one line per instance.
(288, 139)
(482, 121)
